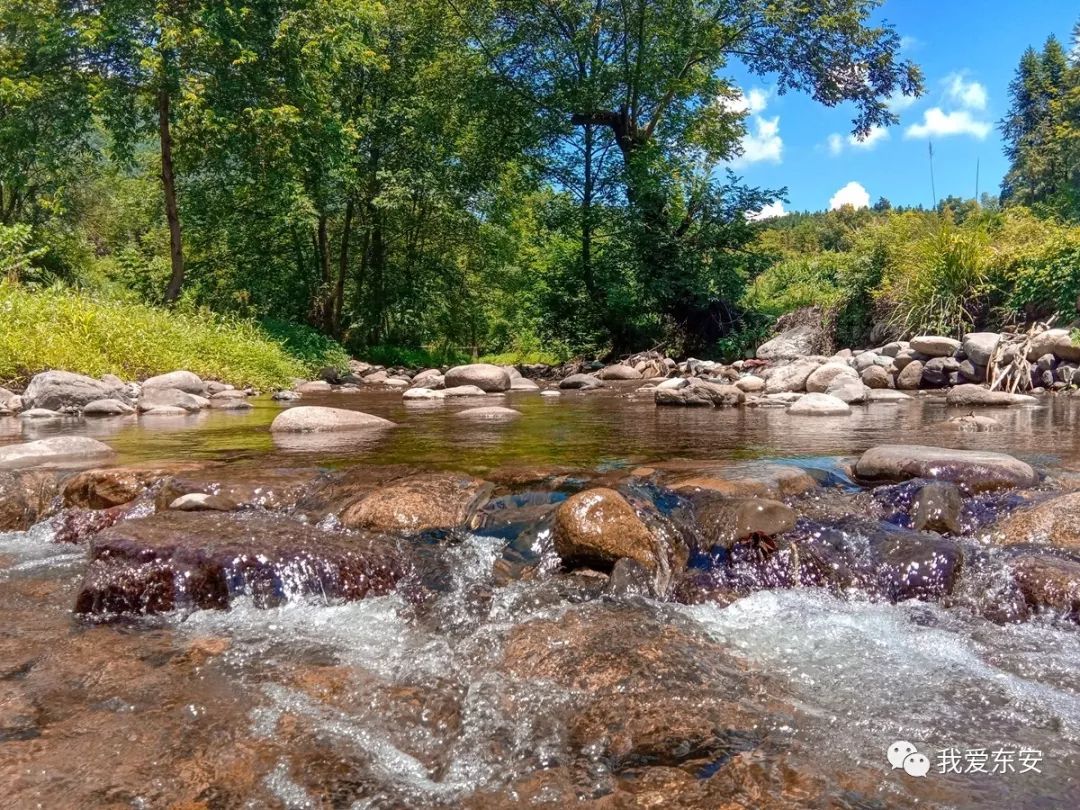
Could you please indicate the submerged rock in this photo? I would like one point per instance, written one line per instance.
(723, 521)
(484, 376)
(58, 450)
(937, 508)
(491, 413)
(972, 424)
(974, 470)
(418, 503)
(307, 418)
(204, 560)
(1049, 584)
(235, 488)
(1054, 522)
(741, 480)
(25, 498)
(114, 486)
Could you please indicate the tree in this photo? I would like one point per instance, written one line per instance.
(647, 76)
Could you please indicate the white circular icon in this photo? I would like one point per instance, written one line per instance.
(916, 764)
(898, 752)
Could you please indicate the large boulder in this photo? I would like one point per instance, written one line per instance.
(798, 341)
(309, 418)
(523, 384)
(876, 377)
(974, 470)
(819, 405)
(1057, 342)
(978, 346)
(969, 395)
(203, 560)
(55, 451)
(935, 345)
(700, 393)
(1054, 522)
(67, 392)
(596, 527)
(485, 376)
(619, 372)
(820, 378)
(184, 381)
(848, 389)
(909, 378)
(418, 503)
(791, 376)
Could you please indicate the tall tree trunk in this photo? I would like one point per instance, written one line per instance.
(343, 264)
(172, 212)
(322, 252)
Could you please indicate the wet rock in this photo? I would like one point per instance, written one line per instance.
(314, 387)
(675, 383)
(58, 450)
(820, 378)
(231, 404)
(418, 503)
(819, 405)
(1054, 522)
(201, 502)
(1049, 584)
(723, 521)
(430, 378)
(491, 413)
(1057, 342)
(618, 372)
(700, 393)
(579, 382)
(795, 342)
(757, 480)
(610, 657)
(968, 395)
(115, 486)
(974, 470)
(184, 381)
(74, 525)
(910, 376)
(235, 488)
(628, 578)
(64, 391)
(484, 376)
(25, 498)
(107, 407)
(285, 396)
(204, 560)
(790, 377)
(935, 345)
(167, 410)
(171, 398)
(425, 394)
(972, 423)
(886, 395)
(307, 418)
(596, 527)
(227, 393)
(937, 508)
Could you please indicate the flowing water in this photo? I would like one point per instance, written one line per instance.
(390, 702)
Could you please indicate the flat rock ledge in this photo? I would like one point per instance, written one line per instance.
(974, 470)
(311, 418)
(206, 560)
(58, 450)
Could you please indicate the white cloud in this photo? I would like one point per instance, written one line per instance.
(771, 211)
(852, 194)
(968, 94)
(898, 102)
(938, 123)
(762, 143)
(836, 142)
(742, 103)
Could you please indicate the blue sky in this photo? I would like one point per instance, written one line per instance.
(968, 51)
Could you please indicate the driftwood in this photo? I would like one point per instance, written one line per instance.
(1009, 368)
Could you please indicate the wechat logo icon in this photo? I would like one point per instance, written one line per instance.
(902, 754)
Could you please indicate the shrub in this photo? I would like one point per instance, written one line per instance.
(57, 328)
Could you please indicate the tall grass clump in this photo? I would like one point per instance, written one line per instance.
(57, 328)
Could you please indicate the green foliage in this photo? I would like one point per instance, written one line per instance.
(410, 357)
(59, 329)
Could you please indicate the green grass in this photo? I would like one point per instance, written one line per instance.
(522, 358)
(61, 329)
